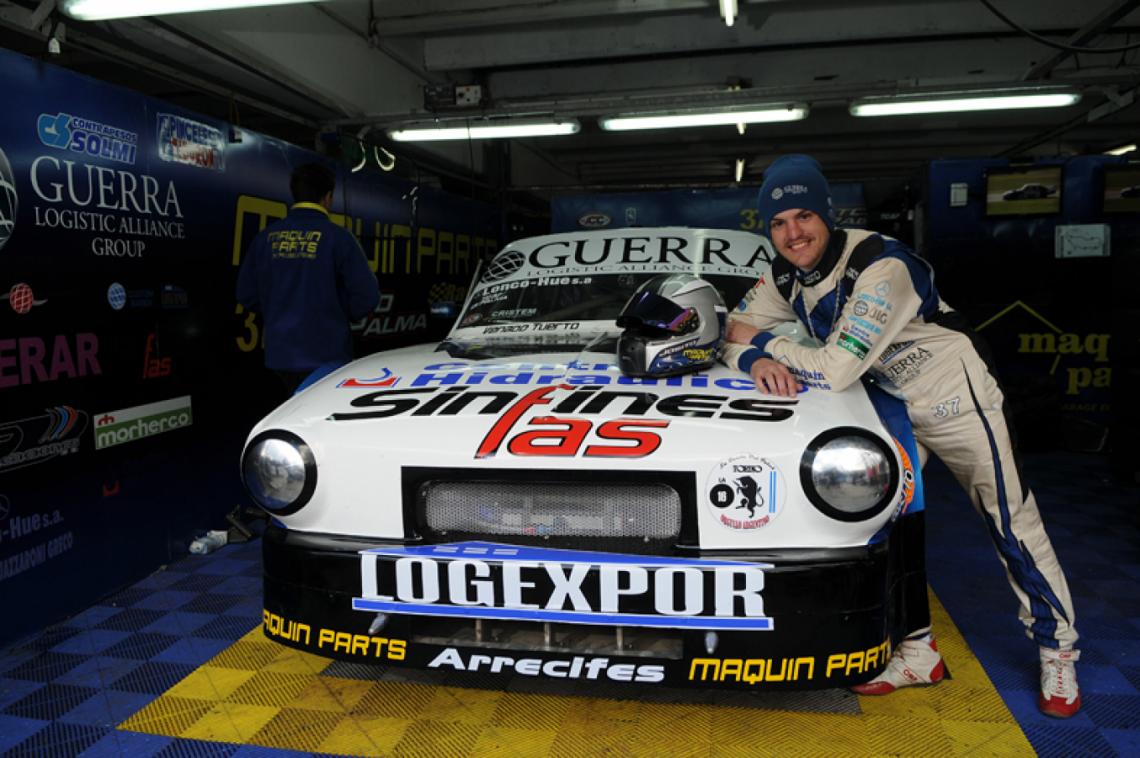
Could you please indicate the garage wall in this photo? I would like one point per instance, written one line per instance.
(128, 375)
(1059, 326)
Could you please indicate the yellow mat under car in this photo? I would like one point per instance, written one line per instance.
(257, 692)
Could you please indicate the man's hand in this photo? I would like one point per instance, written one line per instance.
(774, 378)
(740, 332)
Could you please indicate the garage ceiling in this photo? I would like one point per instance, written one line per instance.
(361, 67)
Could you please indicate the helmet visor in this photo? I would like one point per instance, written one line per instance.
(653, 314)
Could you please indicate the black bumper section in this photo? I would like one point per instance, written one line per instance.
(836, 616)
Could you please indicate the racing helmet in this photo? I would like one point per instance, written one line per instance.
(673, 324)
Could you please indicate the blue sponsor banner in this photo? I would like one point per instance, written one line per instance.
(730, 208)
(418, 590)
(123, 221)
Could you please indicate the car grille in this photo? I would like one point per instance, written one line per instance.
(610, 510)
(647, 512)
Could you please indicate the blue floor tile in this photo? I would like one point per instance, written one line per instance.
(93, 616)
(12, 690)
(180, 623)
(99, 671)
(91, 641)
(59, 739)
(161, 580)
(45, 667)
(154, 677)
(15, 729)
(134, 744)
(132, 619)
(197, 749)
(193, 651)
(166, 600)
(49, 702)
(107, 708)
(1126, 742)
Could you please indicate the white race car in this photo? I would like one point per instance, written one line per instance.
(508, 502)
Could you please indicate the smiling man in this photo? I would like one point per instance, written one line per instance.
(871, 304)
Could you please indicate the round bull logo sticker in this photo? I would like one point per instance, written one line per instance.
(745, 492)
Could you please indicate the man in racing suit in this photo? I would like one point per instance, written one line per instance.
(873, 305)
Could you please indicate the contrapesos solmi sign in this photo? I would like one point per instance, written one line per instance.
(129, 424)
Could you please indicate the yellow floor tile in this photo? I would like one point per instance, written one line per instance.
(268, 688)
(290, 661)
(230, 722)
(293, 729)
(210, 683)
(983, 740)
(169, 716)
(401, 700)
(453, 704)
(500, 742)
(364, 735)
(330, 693)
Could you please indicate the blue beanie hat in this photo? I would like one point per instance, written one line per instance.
(795, 181)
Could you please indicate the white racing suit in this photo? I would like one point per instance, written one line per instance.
(873, 304)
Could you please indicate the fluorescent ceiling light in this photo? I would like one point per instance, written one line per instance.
(1121, 150)
(759, 115)
(486, 130)
(959, 102)
(101, 10)
(739, 169)
(728, 11)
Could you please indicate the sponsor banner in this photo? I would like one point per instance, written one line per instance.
(38, 439)
(122, 216)
(484, 580)
(130, 424)
(480, 607)
(183, 140)
(728, 208)
(87, 137)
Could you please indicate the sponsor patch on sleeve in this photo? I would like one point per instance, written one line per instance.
(853, 346)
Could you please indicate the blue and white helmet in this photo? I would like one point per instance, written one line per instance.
(673, 324)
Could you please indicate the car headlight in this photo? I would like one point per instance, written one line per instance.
(279, 471)
(849, 474)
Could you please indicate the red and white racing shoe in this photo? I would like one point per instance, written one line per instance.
(914, 662)
(1060, 695)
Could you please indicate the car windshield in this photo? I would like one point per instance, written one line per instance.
(568, 289)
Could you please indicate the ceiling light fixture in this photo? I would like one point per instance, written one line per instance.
(1121, 150)
(489, 129)
(728, 11)
(769, 114)
(102, 10)
(959, 102)
(739, 169)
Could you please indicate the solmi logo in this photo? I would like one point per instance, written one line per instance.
(129, 424)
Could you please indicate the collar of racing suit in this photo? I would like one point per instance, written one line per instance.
(830, 257)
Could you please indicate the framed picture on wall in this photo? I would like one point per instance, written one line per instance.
(1023, 191)
(1122, 189)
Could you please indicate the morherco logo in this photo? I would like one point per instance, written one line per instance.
(8, 200)
(129, 424)
(507, 582)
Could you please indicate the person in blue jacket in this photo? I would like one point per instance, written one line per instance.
(309, 280)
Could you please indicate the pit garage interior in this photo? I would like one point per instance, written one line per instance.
(117, 640)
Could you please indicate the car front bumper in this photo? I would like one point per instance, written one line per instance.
(835, 616)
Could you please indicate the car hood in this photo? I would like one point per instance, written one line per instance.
(566, 411)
